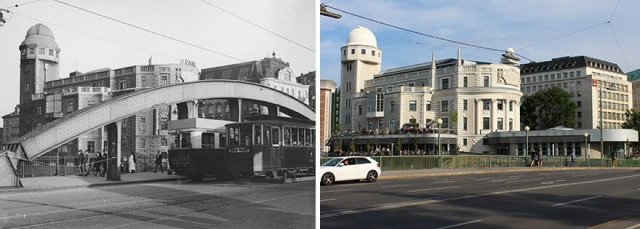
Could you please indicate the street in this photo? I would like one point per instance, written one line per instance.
(540, 199)
(176, 204)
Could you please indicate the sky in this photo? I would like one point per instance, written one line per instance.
(90, 42)
(537, 29)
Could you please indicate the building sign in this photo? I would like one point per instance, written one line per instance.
(594, 82)
(188, 62)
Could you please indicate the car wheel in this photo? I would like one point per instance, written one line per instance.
(328, 179)
(372, 176)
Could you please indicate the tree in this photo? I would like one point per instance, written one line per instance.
(352, 146)
(547, 109)
(633, 120)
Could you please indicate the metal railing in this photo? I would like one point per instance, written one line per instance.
(487, 161)
(47, 166)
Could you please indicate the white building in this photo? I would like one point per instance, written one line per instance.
(583, 77)
(472, 98)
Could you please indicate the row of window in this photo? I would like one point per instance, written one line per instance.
(41, 51)
(552, 76)
(564, 85)
(614, 106)
(362, 52)
(263, 134)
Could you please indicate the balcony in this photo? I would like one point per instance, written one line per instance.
(37, 96)
(75, 90)
(375, 114)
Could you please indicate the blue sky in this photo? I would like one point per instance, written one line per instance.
(494, 23)
(91, 42)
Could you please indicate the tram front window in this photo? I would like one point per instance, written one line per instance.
(307, 137)
(287, 135)
(267, 134)
(257, 138)
(234, 137)
(275, 136)
(246, 132)
(294, 136)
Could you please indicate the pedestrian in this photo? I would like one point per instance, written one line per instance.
(159, 163)
(86, 163)
(540, 158)
(613, 159)
(573, 159)
(132, 163)
(104, 163)
(80, 161)
(534, 158)
(96, 165)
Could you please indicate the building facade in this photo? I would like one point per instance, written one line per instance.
(590, 82)
(327, 88)
(11, 124)
(634, 78)
(45, 96)
(471, 98)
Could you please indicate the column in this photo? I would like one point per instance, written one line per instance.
(113, 135)
(119, 142)
(494, 111)
(505, 120)
(478, 123)
(516, 116)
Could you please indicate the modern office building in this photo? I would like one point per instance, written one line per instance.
(585, 78)
(634, 78)
(472, 98)
(327, 88)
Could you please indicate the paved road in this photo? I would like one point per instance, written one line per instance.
(176, 204)
(543, 199)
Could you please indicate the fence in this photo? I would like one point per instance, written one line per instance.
(47, 166)
(486, 161)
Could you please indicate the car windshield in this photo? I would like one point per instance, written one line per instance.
(332, 162)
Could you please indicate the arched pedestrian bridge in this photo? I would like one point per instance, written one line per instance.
(51, 135)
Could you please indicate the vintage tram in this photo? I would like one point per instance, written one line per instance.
(262, 145)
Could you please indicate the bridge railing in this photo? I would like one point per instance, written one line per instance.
(487, 161)
(47, 166)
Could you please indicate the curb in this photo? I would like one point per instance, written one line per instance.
(417, 174)
(113, 183)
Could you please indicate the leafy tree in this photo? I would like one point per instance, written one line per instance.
(352, 146)
(398, 146)
(549, 108)
(633, 120)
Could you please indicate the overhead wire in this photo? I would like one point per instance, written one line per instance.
(615, 37)
(23, 4)
(564, 35)
(256, 25)
(149, 31)
(423, 34)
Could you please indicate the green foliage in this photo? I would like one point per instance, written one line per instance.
(369, 147)
(352, 146)
(549, 108)
(633, 120)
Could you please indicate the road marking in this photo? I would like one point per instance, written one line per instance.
(431, 189)
(460, 224)
(524, 180)
(634, 226)
(560, 204)
(552, 182)
(327, 200)
(339, 190)
(443, 182)
(431, 201)
(398, 185)
(588, 174)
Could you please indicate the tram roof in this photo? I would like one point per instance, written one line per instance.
(270, 119)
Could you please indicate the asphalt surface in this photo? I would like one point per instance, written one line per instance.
(542, 199)
(177, 204)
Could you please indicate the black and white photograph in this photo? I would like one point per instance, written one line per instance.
(158, 114)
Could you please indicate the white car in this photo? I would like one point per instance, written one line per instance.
(349, 168)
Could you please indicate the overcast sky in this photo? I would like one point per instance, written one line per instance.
(91, 42)
(494, 23)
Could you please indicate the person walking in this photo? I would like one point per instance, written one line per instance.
(132, 163)
(613, 159)
(540, 158)
(85, 163)
(80, 161)
(573, 159)
(159, 163)
(104, 163)
(96, 165)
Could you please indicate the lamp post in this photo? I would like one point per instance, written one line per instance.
(586, 146)
(526, 146)
(439, 121)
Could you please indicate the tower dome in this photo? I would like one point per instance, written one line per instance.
(362, 36)
(41, 35)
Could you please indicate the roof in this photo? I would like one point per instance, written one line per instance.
(427, 65)
(40, 34)
(362, 36)
(633, 75)
(569, 62)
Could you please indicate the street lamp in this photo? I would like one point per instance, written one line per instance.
(586, 146)
(526, 147)
(439, 121)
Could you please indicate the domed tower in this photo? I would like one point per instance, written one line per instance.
(360, 61)
(39, 55)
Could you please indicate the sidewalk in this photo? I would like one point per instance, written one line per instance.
(37, 184)
(406, 174)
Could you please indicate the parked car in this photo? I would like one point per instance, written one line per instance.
(349, 168)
